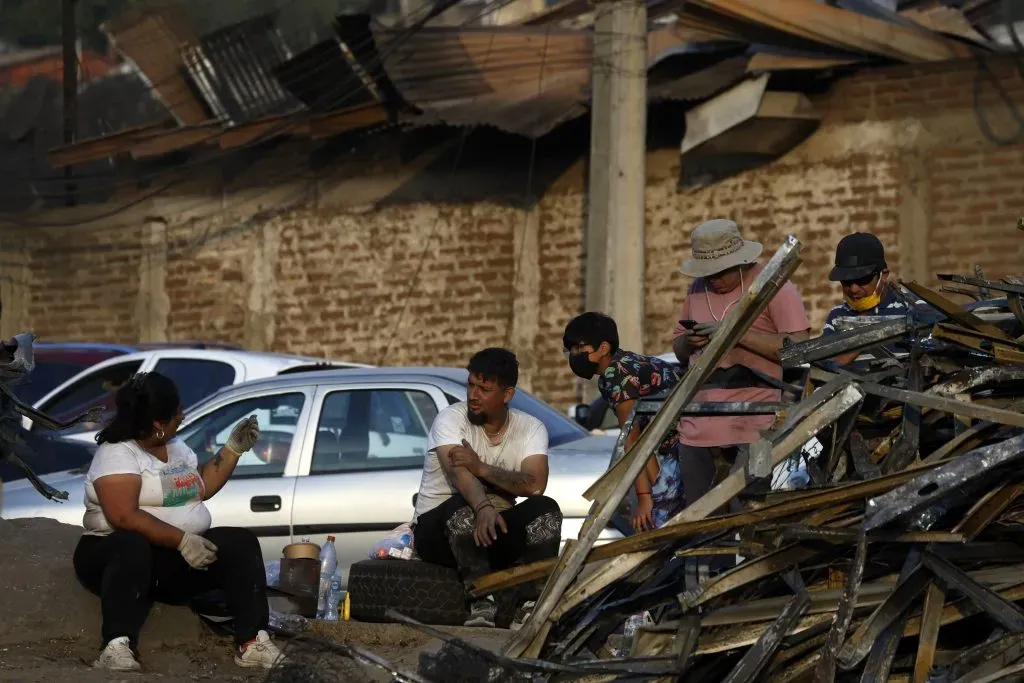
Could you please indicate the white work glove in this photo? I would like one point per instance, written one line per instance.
(706, 330)
(197, 551)
(244, 436)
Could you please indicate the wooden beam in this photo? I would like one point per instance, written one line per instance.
(953, 311)
(99, 147)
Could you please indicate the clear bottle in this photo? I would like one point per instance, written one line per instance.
(334, 597)
(328, 566)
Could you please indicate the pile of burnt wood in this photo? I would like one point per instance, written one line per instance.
(901, 558)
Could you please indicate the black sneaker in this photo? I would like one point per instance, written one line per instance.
(482, 613)
(522, 615)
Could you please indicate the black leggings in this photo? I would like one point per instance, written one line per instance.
(444, 536)
(129, 573)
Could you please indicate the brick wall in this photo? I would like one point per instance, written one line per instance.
(900, 153)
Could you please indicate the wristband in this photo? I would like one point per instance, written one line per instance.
(482, 505)
(643, 493)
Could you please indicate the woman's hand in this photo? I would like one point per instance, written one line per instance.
(197, 551)
(244, 436)
(643, 518)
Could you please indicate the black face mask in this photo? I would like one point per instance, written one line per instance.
(582, 366)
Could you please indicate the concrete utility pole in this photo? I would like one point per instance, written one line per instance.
(615, 220)
(70, 41)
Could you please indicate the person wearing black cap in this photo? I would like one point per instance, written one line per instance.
(861, 269)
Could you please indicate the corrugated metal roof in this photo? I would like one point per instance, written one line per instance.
(838, 28)
(522, 80)
(233, 68)
(321, 76)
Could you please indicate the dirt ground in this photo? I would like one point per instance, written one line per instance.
(50, 625)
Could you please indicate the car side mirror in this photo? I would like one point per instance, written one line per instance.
(581, 413)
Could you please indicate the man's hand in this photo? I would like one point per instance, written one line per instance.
(465, 456)
(487, 522)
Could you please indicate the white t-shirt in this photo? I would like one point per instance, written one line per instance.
(525, 436)
(171, 491)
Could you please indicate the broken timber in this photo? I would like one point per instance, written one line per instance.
(609, 491)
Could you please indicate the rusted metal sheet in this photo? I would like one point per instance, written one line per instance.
(524, 80)
(151, 35)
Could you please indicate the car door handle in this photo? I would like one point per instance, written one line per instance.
(265, 503)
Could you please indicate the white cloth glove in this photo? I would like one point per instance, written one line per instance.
(245, 435)
(197, 551)
(707, 329)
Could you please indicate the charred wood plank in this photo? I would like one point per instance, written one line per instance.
(832, 345)
(940, 482)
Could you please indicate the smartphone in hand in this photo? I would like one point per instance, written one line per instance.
(688, 324)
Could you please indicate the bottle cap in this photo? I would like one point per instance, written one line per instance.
(331, 539)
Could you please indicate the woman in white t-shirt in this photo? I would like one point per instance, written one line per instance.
(147, 531)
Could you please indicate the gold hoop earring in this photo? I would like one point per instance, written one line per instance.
(159, 433)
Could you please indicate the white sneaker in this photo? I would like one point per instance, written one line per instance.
(260, 653)
(118, 656)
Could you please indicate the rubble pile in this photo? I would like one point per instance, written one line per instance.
(903, 558)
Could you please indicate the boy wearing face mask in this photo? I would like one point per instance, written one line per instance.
(591, 343)
(861, 269)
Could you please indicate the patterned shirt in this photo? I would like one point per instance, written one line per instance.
(891, 304)
(632, 376)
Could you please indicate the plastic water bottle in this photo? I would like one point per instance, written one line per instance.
(333, 597)
(328, 566)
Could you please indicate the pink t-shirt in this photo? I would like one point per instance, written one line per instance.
(784, 314)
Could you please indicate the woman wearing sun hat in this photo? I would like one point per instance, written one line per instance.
(723, 266)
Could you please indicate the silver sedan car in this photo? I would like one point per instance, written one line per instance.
(340, 453)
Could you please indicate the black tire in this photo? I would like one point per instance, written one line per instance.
(428, 593)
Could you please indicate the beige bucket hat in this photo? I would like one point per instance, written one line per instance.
(717, 245)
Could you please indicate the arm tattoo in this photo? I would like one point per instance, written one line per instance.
(217, 460)
(513, 482)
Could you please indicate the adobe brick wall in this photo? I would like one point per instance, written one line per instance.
(900, 153)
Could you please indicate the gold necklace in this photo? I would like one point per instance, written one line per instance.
(495, 438)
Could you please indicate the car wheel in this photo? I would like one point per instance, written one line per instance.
(428, 593)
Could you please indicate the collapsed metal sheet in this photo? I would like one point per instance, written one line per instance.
(524, 80)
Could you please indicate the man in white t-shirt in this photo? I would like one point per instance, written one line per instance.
(481, 456)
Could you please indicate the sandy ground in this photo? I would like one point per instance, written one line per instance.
(49, 629)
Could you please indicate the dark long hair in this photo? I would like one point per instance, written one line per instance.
(146, 398)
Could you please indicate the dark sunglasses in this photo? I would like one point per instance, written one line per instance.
(860, 282)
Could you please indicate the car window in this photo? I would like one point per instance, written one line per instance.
(372, 430)
(560, 428)
(278, 417)
(47, 376)
(95, 389)
(196, 379)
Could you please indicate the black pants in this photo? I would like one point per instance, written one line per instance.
(444, 536)
(129, 573)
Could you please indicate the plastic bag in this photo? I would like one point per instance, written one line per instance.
(397, 545)
(273, 569)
